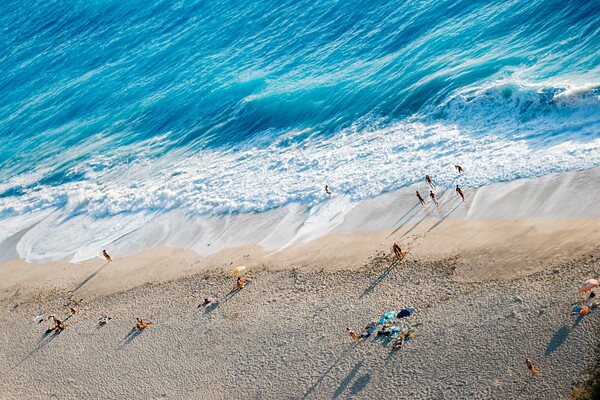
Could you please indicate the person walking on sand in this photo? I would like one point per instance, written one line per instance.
(353, 335)
(327, 190)
(421, 198)
(398, 251)
(530, 366)
(432, 195)
(429, 182)
(460, 193)
(458, 168)
(106, 256)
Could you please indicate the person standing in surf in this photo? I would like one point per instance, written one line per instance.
(327, 190)
(460, 193)
(458, 168)
(106, 256)
(429, 182)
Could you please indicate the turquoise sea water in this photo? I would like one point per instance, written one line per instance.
(115, 109)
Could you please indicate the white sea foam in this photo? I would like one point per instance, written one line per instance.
(490, 131)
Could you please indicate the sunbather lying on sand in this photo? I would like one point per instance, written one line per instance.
(241, 283)
(140, 324)
(367, 330)
(353, 335)
(57, 325)
(208, 302)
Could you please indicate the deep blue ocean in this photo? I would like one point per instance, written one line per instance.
(112, 109)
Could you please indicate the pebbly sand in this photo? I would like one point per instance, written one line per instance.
(489, 292)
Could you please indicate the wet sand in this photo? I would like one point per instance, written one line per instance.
(491, 287)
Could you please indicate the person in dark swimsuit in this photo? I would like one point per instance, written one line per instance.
(398, 251)
(421, 198)
(429, 182)
(530, 366)
(432, 195)
(460, 193)
(459, 168)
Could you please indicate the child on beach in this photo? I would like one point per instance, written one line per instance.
(530, 366)
(460, 193)
(106, 256)
(429, 182)
(421, 198)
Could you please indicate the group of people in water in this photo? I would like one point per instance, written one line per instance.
(432, 195)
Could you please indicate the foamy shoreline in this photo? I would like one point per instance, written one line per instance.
(545, 220)
(491, 280)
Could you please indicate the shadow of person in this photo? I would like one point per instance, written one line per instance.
(133, 333)
(43, 341)
(340, 358)
(360, 383)
(559, 337)
(346, 381)
(379, 279)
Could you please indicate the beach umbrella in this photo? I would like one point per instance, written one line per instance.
(405, 312)
(387, 317)
(588, 285)
(238, 271)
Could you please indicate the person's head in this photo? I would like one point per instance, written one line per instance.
(592, 295)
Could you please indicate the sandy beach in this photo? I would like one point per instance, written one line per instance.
(491, 280)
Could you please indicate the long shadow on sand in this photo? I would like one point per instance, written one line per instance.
(341, 357)
(360, 384)
(46, 338)
(206, 310)
(378, 280)
(443, 218)
(410, 214)
(346, 381)
(133, 333)
(557, 340)
(86, 280)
